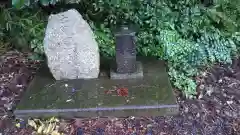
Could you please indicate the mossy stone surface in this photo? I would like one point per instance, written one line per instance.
(151, 95)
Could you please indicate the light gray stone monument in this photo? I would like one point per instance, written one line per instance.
(70, 46)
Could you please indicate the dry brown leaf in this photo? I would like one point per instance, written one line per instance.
(77, 123)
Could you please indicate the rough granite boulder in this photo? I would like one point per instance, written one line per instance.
(70, 46)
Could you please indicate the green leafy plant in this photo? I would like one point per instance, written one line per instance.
(24, 29)
(184, 33)
(105, 40)
(19, 4)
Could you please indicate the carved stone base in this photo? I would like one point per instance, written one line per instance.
(135, 75)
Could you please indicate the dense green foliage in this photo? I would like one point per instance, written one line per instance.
(19, 4)
(184, 33)
(24, 30)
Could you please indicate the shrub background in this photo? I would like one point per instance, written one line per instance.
(186, 33)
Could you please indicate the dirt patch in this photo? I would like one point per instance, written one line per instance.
(215, 112)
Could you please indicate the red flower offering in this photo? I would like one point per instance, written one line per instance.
(122, 91)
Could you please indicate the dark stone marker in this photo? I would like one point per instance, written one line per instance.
(150, 95)
(126, 66)
(125, 51)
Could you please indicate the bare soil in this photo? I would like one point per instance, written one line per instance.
(216, 111)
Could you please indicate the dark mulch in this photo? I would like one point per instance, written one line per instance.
(215, 112)
(15, 73)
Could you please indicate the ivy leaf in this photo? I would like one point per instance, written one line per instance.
(53, 2)
(45, 2)
(18, 3)
(27, 2)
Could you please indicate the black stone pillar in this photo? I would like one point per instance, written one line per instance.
(125, 65)
(125, 51)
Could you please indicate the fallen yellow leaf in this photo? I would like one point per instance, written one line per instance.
(32, 124)
(34, 133)
(45, 129)
(40, 129)
(57, 120)
(52, 119)
(50, 128)
(18, 125)
(55, 132)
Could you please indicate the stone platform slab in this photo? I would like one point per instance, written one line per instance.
(151, 95)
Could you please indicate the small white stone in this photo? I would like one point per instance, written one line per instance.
(200, 96)
(229, 102)
(4, 98)
(186, 110)
(204, 74)
(201, 86)
(19, 86)
(209, 92)
(220, 80)
(132, 117)
(8, 106)
(149, 126)
(69, 100)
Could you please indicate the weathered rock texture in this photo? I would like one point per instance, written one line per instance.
(71, 49)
